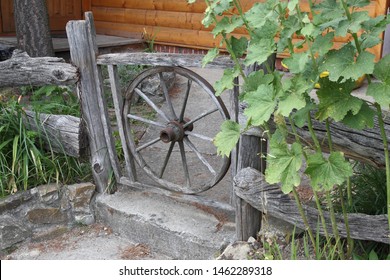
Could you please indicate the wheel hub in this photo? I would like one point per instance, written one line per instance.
(175, 131)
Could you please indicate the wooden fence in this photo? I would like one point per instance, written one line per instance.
(250, 189)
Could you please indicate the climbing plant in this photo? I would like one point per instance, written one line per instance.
(307, 36)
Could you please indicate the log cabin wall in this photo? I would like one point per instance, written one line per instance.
(60, 12)
(175, 22)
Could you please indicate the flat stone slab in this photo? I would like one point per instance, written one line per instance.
(178, 230)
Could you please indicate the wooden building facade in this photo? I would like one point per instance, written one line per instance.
(169, 22)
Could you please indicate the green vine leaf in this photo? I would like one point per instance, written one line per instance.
(210, 56)
(342, 65)
(259, 51)
(227, 138)
(322, 44)
(336, 100)
(353, 25)
(283, 164)
(260, 13)
(328, 172)
(255, 79)
(227, 80)
(227, 25)
(294, 95)
(381, 90)
(363, 119)
(297, 62)
(358, 3)
(261, 104)
(239, 46)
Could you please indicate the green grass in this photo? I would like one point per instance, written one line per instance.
(24, 163)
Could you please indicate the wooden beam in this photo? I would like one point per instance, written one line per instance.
(362, 145)
(60, 133)
(83, 51)
(250, 185)
(163, 59)
(22, 70)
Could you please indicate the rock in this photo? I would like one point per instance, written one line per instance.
(47, 216)
(48, 194)
(5, 51)
(85, 220)
(239, 250)
(12, 231)
(152, 88)
(14, 201)
(80, 195)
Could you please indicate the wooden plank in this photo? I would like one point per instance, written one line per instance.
(362, 145)
(1, 20)
(165, 5)
(22, 70)
(118, 104)
(86, 6)
(7, 10)
(250, 185)
(185, 20)
(82, 51)
(162, 59)
(60, 133)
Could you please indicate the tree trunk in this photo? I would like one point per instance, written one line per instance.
(32, 27)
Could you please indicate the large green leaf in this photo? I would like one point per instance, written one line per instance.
(227, 80)
(260, 50)
(327, 172)
(261, 104)
(342, 64)
(297, 62)
(211, 54)
(227, 138)
(227, 25)
(336, 100)
(255, 79)
(322, 44)
(294, 95)
(352, 25)
(239, 46)
(283, 164)
(380, 90)
(258, 15)
(364, 118)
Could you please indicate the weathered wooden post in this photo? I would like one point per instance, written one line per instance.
(83, 51)
(250, 154)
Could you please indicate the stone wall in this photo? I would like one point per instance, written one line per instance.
(43, 211)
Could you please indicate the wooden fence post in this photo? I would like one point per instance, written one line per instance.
(251, 152)
(83, 51)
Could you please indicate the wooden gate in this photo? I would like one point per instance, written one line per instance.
(60, 12)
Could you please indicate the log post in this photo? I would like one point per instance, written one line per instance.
(83, 53)
(250, 154)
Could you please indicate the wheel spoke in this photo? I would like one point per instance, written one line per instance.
(203, 137)
(204, 114)
(134, 117)
(183, 109)
(150, 143)
(151, 104)
(167, 97)
(199, 155)
(184, 161)
(166, 159)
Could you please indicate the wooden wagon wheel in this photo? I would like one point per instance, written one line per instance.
(175, 146)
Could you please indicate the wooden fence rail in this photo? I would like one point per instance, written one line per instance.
(250, 185)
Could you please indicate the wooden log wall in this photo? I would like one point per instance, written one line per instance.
(175, 22)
